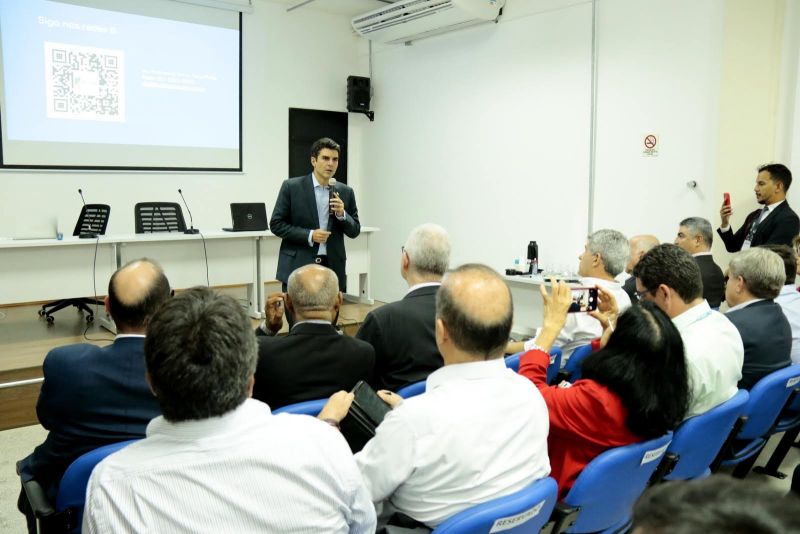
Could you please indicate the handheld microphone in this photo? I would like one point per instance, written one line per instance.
(82, 234)
(192, 229)
(331, 192)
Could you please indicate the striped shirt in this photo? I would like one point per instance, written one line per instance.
(246, 471)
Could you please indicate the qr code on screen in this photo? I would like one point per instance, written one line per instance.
(84, 83)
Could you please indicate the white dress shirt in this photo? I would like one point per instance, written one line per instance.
(714, 356)
(743, 305)
(246, 471)
(478, 432)
(789, 301)
(581, 328)
(423, 284)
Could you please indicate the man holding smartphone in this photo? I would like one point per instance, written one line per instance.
(774, 224)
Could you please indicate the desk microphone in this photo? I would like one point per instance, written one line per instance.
(331, 192)
(192, 229)
(83, 234)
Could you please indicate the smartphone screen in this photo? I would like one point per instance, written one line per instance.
(584, 299)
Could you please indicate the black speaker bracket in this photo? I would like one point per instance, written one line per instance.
(370, 114)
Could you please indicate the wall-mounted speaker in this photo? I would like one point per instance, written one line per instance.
(358, 94)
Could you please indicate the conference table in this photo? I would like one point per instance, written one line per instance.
(36, 270)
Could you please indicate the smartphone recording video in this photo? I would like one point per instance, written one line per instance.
(584, 299)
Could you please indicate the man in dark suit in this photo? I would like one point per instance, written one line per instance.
(774, 224)
(755, 278)
(695, 237)
(403, 332)
(92, 396)
(314, 360)
(312, 218)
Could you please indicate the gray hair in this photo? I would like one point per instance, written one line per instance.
(701, 227)
(762, 270)
(613, 248)
(313, 293)
(428, 249)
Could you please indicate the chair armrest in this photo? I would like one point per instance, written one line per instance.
(726, 447)
(562, 518)
(40, 504)
(665, 467)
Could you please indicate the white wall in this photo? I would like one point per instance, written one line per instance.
(484, 131)
(297, 59)
(658, 72)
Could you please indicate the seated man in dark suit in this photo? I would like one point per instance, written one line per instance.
(774, 224)
(314, 360)
(93, 396)
(695, 237)
(755, 278)
(403, 332)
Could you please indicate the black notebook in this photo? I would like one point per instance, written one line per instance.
(366, 413)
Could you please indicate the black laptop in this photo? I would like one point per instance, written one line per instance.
(248, 217)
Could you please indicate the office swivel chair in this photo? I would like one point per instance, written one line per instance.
(158, 217)
(92, 223)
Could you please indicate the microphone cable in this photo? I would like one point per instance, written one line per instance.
(94, 287)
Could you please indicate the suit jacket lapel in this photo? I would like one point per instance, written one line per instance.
(311, 199)
(769, 221)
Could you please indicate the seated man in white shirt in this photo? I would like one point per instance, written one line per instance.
(478, 432)
(789, 297)
(218, 461)
(604, 257)
(670, 277)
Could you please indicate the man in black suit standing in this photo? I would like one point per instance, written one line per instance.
(312, 217)
(403, 333)
(314, 360)
(695, 237)
(774, 224)
(93, 396)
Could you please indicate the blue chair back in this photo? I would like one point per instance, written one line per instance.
(609, 485)
(573, 365)
(312, 408)
(512, 362)
(698, 440)
(72, 489)
(767, 399)
(412, 390)
(525, 511)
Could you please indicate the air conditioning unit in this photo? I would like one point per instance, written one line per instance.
(408, 20)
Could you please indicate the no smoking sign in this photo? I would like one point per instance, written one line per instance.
(650, 148)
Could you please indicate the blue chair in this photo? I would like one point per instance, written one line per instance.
(573, 365)
(412, 390)
(312, 408)
(767, 399)
(525, 511)
(67, 515)
(609, 485)
(698, 440)
(512, 362)
(789, 425)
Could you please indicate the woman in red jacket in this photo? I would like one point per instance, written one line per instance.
(635, 388)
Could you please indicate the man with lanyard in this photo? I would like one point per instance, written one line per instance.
(669, 277)
(774, 224)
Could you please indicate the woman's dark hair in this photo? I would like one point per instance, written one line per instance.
(644, 364)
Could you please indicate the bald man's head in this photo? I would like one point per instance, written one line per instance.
(474, 305)
(135, 292)
(640, 245)
(313, 288)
